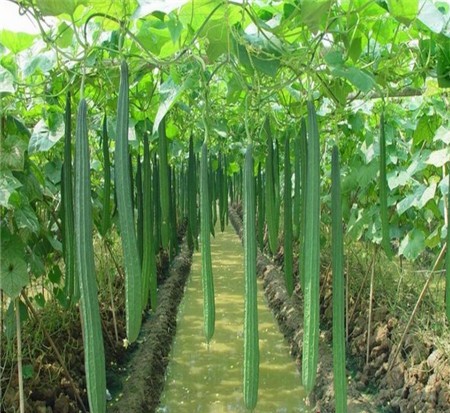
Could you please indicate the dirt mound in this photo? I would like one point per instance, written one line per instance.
(145, 371)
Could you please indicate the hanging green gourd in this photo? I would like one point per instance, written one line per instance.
(192, 196)
(385, 241)
(205, 233)
(288, 252)
(133, 284)
(72, 290)
(94, 355)
(447, 257)
(270, 204)
(106, 213)
(149, 284)
(164, 185)
(140, 209)
(251, 338)
(304, 159)
(337, 245)
(311, 258)
(261, 212)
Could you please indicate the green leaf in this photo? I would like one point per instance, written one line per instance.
(439, 158)
(412, 245)
(169, 93)
(43, 62)
(443, 63)
(431, 17)
(6, 81)
(147, 7)
(362, 80)
(42, 138)
(405, 11)
(14, 275)
(8, 185)
(16, 41)
(313, 11)
(27, 219)
(57, 7)
(443, 135)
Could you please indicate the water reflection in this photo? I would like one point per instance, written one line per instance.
(208, 379)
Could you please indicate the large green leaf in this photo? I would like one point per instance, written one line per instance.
(14, 275)
(439, 158)
(313, 11)
(6, 81)
(15, 41)
(8, 185)
(169, 93)
(413, 244)
(57, 7)
(405, 11)
(43, 138)
(147, 7)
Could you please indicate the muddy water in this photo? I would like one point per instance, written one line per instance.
(208, 379)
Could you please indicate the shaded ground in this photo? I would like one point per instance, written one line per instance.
(418, 381)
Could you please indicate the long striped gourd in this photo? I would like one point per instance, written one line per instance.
(106, 213)
(156, 204)
(149, 285)
(221, 184)
(133, 284)
(276, 183)
(311, 258)
(260, 208)
(140, 210)
(212, 198)
(94, 354)
(173, 214)
(447, 257)
(71, 281)
(337, 244)
(303, 184)
(271, 217)
(288, 258)
(205, 232)
(192, 197)
(164, 188)
(385, 241)
(251, 339)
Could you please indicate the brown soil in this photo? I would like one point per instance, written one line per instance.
(145, 371)
(419, 380)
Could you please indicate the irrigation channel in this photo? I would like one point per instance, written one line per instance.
(208, 378)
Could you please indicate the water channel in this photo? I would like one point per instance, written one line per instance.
(208, 379)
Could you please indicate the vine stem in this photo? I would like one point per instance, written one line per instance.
(19, 358)
(55, 349)
(416, 307)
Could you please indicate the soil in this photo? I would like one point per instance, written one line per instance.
(419, 380)
(143, 378)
